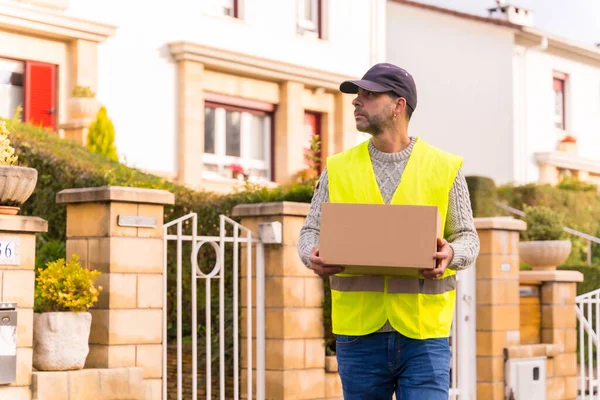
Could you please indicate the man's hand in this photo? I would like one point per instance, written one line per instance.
(443, 256)
(319, 267)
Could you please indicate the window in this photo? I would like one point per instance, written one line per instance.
(31, 85)
(309, 17)
(559, 81)
(11, 86)
(235, 135)
(224, 7)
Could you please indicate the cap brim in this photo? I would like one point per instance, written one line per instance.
(352, 86)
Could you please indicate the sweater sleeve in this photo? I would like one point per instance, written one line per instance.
(310, 231)
(460, 228)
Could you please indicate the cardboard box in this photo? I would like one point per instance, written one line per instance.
(379, 239)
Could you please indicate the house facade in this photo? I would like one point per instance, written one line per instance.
(520, 105)
(200, 90)
(44, 53)
(196, 90)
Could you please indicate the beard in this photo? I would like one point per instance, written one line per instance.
(373, 124)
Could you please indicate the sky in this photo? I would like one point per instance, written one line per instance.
(577, 20)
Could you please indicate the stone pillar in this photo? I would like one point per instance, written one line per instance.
(84, 64)
(289, 132)
(190, 129)
(549, 174)
(17, 283)
(76, 131)
(295, 345)
(118, 231)
(559, 327)
(497, 294)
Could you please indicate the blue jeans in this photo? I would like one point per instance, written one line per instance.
(378, 365)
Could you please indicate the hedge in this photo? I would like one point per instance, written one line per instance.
(482, 192)
(579, 204)
(62, 164)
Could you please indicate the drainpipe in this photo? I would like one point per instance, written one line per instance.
(543, 46)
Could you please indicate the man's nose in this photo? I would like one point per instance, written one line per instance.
(355, 102)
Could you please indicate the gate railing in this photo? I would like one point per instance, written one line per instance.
(218, 273)
(587, 307)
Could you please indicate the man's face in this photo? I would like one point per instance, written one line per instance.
(373, 111)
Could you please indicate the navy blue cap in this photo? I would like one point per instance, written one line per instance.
(385, 77)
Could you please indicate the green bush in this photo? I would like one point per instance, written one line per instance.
(572, 183)
(543, 224)
(581, 210)
(101, 136)
(65, 286)
(482, 192)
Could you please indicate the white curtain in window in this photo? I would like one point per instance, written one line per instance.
(11, 87)
(237, 137)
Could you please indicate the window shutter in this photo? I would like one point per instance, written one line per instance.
(40, 94)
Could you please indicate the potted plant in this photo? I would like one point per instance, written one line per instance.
(237, 171)
(16, 182)
(544, 245)
(83, 103)
(568, 144)
(61, 323)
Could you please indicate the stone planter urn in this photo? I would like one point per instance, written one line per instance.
(82, 108)
(60, 340)
(545, 254)
(16, 186)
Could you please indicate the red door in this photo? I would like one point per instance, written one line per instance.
(40, 94)
(312, 127)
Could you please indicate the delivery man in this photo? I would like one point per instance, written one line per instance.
(392, 333)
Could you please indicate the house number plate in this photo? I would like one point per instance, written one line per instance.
(10, 250)
(136, 221)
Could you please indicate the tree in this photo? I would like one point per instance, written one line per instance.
(101, 136)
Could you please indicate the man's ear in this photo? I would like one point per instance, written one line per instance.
(400, 106)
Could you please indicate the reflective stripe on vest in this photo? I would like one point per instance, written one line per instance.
(417, 308)
(395, 285)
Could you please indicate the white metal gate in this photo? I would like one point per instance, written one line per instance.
(240, 235)
(463, 385)
(588, 315)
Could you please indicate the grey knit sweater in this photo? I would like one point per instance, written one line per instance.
(388, 167)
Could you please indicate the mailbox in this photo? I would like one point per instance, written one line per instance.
(8, 343)
(270, 232)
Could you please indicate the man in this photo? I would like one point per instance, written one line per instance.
(392, 333)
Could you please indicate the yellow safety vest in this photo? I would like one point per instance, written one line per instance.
(417, 308)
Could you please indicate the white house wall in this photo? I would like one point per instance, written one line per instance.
(582, 105)
(463, 72)
(137, 76)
